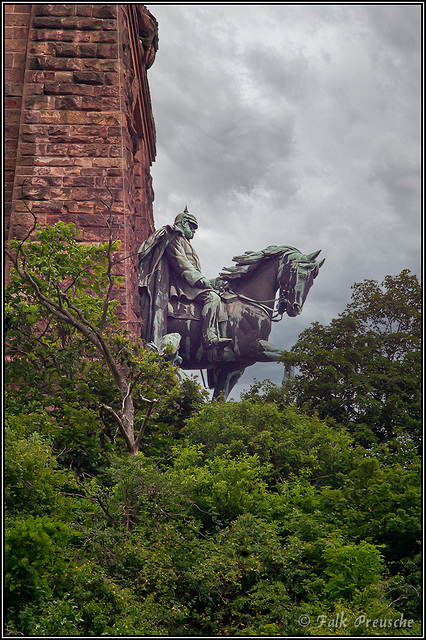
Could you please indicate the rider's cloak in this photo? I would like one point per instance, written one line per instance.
(168, 266)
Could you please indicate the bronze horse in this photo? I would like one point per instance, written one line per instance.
(248, 292)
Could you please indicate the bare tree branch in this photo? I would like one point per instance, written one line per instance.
(119, 423)
(62, 307)
(110, 262)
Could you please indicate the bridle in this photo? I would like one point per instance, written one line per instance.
(283, 297)
(284, 292)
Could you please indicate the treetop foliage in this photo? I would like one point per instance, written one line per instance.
(363, 369)
(278, 515)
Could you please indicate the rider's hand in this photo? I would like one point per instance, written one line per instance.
(203, 283)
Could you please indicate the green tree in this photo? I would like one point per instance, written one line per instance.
(35, 563)
(364, 369)
(62, 328)
(285, 440)
(225, 538)
(351, 567)
(233, 518)
(34, 482)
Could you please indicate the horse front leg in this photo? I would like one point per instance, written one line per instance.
(269, 352)
(224, 382)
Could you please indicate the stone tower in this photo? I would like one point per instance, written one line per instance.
(78, 117)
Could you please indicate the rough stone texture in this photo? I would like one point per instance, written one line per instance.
(79, 119)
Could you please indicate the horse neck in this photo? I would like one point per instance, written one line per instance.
(262, 284)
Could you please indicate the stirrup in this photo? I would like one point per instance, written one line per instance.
(217, 342)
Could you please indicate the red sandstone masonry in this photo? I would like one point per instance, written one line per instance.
(16, 20)
(74, 123)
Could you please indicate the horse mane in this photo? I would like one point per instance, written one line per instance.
(251, 260)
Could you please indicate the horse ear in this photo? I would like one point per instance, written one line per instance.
(313, 256)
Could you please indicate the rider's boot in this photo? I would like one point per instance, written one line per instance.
(213, 342)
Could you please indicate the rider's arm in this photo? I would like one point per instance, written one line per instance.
(181, 263)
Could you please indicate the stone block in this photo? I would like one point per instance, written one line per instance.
(16, 32)
(48, 22)
(39, 181)
(54, 149)
(16, 19)
(42, 48)
(52, 63)
(103, 118)
(114, 151)
(45, 161)
(79, 207)
(76, 50)
(8, 180)
(13, 88)
(14, 45)
(88, 77)
(101, 65)
(13, 116)
(82, 162)
(62, 88)
(106, 51)
(27, 149)
(37, 193)
(77, 181)
(91, 103)
(10, 164)
(112, 104)
(87, 24)
(8, 60)
(54, 10)
(48, 207)
(62, 77)
(12, 102)
(39, 102)
(52, 219)
(36, 62)
(69, 103)
(103, 36)
(39, 76)
(65, 117)
(15, 76)
(27, 161)
(105, 11)
(108, 91)
(91, 150)
(32, 117)
(73, 22)
(83, 10)
(56, 35)
(35, 89)
(21, 8)
(95, 234)
(18, 60)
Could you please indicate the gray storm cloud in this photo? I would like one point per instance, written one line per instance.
(292, 124)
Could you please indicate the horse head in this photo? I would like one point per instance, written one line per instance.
(296, 276)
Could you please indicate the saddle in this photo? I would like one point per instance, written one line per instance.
(191, 309)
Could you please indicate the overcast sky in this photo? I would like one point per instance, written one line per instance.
(292, 124)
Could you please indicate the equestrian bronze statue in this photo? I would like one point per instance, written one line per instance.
(221, 325)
